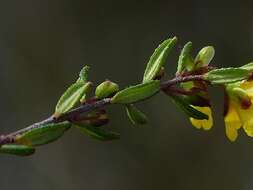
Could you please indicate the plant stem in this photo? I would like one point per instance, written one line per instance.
(179, 79)
(88, 107)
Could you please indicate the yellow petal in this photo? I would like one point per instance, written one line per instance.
(196, 123)
(232, 117)
(232, 122)
(205, 124)
(231, 132)
(246, 85)
(245, 115)
(248, 127)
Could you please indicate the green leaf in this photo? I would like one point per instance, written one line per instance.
(88, 86)
(185, 60)
(136, 93)
(106, 89)
(71, 97)
(204, 56)
(157, 60)
(248, 66)
(187, 108)
(98, 133)
(84, 73)
(18, 150)
(135, 115)
(226, 75)
(43, 135)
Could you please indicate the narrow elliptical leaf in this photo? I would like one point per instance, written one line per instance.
(136, 93)
(18, 150)
(157, 60)
(43, 135)
(98, 132)
(187, 108)
(185, 60)
(226, 75)
(71, 97)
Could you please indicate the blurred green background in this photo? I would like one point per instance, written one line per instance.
(44, 44)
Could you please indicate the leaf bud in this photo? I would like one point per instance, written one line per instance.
(106, 89)
(204, 56)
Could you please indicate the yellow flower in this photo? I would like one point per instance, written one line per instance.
(206, 124)
(239, 109)
(201, 103)
(232, 122)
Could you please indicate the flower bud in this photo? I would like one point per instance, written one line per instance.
(204, 56)
(106, 89)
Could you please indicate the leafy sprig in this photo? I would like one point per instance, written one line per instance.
(188, 90)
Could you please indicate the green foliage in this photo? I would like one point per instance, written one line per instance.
(188, 90)
(73, 95)
(83, 75)
(43, 135)
(136, 93)
(18, 150)
(106, 89)
(158, 59)
(98, 133)
(185, 106)
(248, 66)
(227, 75)
(185, 61)
(135, 115)
(204, 56)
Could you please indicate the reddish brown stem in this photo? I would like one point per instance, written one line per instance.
(91, 105)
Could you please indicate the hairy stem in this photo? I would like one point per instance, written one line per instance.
(88, 107)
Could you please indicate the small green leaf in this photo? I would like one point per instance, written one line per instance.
(188, 109)
(18, 150)
(98, 133)
(204, 56)
(87, 89)
(71, 97)
(185, 60)
(84, 73)
(135, 115)
(197, 100)
(226, 75)
(43, 135)
(106, 89)
(248, 66)
(157, 60)
(136, 93)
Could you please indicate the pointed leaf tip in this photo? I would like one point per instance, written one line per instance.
(185, 61)
(83, 75)
(227, 75)
(18, 150)
(135, 115)
(71, 97)
(43, 135)
(98, 133)
(187, 108)
(136, 93)
(158, 59)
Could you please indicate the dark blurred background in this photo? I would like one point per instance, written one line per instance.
(44, 44)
